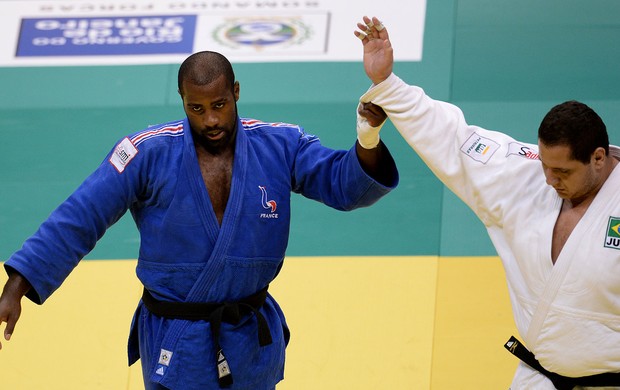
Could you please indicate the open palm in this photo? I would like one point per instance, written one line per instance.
(378, 52)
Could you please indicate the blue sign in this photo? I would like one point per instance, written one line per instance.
(116, 35)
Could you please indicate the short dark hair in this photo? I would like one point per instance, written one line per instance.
(577, 126)
(204, 67)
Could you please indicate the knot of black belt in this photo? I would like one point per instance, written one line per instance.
(215, 313)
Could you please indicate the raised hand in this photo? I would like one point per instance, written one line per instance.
(378, 52)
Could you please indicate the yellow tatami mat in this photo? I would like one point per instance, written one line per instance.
(473, 320)
(357, 323)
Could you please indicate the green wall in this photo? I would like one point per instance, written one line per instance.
(504, 63)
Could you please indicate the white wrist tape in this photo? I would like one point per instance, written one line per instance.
(367, 135)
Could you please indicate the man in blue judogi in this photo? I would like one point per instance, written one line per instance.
(210, 196)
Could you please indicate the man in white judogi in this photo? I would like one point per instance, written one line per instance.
(552, 211)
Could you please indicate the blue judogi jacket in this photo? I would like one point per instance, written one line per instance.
(185, 255)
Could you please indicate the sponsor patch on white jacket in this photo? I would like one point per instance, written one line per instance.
(479, 148)
(515, 148)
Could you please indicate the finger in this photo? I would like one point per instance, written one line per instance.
(364, 113)
(373, 26)
(360, 35)
(11, 320)
(367, 26)
(369, 105)
(379, 27)
(374, 109)
(8, 331)
(360, 107)
(377, 24)
(5, 334)
(10, 324)
(365, 30)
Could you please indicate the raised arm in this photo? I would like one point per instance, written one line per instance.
(378, 52)
(378, 61)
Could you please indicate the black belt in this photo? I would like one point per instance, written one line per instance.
(215, 313)
(561, 382)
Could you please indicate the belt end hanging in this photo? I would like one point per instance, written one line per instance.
(225, 378)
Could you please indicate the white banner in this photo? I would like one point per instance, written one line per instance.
(49, 33)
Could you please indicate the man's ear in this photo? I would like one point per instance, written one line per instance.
(236, 90)
(599, 156)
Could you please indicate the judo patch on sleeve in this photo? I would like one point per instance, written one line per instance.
(125, 151)
(479, 148)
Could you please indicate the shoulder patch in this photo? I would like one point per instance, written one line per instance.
(479, 148)
(123, 154)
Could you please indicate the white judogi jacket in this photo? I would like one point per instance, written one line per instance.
(567, 314)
